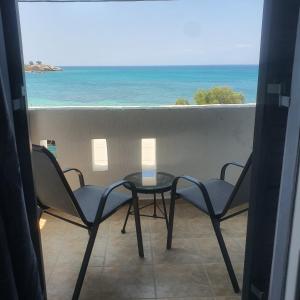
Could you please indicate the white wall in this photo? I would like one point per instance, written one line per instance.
(190, 140)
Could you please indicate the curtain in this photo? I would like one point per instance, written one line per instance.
(19, 275)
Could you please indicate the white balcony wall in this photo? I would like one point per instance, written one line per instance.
(189, 140)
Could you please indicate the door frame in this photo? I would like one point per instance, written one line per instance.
(288, 188)
(279, 30)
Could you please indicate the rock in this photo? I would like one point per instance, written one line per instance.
(41, 68)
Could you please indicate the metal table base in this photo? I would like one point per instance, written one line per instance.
(156, 208)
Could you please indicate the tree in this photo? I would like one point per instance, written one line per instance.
(31, 63)
(182, 101)
(218, 95)
(38, 62)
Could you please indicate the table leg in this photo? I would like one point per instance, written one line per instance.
(165, 210)
(126, 219)
(154, 206)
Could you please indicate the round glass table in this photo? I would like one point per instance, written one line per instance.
(150, 182)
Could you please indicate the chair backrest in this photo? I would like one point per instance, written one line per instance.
(51, 186)
(241, 192)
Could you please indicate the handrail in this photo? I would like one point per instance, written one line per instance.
(108, 191)
(224, 168)
(79, 173)
(202, 188)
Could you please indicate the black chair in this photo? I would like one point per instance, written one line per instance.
(215, 198)
(91, 204)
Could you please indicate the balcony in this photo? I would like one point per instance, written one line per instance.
(189, 140)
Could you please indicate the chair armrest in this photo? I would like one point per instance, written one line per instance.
(201, 187)
(108, 191)
(117, 184)
(224, 168)
(79, 173)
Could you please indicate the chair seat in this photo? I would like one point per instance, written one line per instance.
(89, 197)
(218, 190)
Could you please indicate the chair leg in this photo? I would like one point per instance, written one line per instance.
(85, 262)
(126, 219)
(171, 222)
(138, 227)
(230, 270)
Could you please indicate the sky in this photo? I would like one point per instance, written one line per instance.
(179, 32)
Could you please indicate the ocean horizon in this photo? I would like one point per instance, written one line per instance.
(135, 85)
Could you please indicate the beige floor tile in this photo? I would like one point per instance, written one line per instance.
(235, 227)
(90, 289)
(187, 210)
(125, 282)
(124, 251)
(183, 251)
(62, 282)
(192, 270)
(181, 281)
(117, 225)
(189, 227)
(242, 242)
(210, 251)
(219, 279)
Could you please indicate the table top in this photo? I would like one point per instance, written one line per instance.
(150, 182)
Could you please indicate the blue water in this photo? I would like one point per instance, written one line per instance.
(142, 86)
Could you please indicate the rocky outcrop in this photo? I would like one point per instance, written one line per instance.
(41, 68)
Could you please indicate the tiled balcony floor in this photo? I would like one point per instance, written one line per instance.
(193, 269)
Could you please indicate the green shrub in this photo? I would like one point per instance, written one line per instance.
(218, 95)
(182, 101)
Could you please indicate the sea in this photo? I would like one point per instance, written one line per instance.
(135, 86)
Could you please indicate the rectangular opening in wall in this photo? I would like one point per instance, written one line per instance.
(99, 155)
(44, 143)
(149, 161)
(50, 145)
